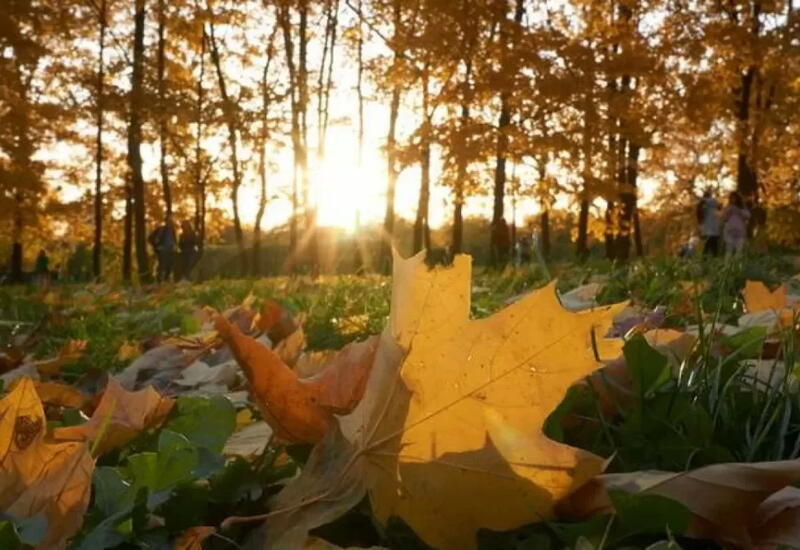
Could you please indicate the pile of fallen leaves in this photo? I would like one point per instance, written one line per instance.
(440, 421)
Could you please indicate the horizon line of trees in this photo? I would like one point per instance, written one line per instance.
(585, 97)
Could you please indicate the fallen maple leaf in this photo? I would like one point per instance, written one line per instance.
(62, 395)
(452, 417)
(69, 353)
(119, 417)
(193, 538)
(38, 477)
(300, 410)
(757, 297)
(725, 500)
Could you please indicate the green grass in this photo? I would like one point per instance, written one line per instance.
(707, 410)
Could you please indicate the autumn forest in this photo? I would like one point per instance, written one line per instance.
(601, 119)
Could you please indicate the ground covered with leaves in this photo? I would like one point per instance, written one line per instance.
(652, 405)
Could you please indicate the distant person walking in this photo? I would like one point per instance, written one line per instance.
(708, 217)
(735, 217)
(189, 246)
(163, 241)
(41, 269)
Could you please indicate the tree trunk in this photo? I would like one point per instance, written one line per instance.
(391, 180)
(637, 232)
(461, 172)
(16, 239)
(628, 199)
(98, 181)
(422, 235)
(544, 225)
(162, 109)
(134, 146)
(498, 244)
(284, 20)
(582, 245)
(232, 123)
(608, 236)
(127, 242)
(199, 179)
(262, 160)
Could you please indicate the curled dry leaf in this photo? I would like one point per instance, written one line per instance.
(777, 521)
(300, 410)
(61, 395)
(452, 416)
(275, 321)
(291, 348)
(193, 538)
(69, 353)
(119, 417)
(730, 503)
(758, 297)
(38, 477)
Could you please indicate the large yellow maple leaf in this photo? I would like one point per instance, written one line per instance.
(448, 435)
(38, 477)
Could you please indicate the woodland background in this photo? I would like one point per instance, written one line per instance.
(114, 113)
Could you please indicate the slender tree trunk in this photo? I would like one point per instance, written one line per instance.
(199, 179)
(498, 244)
(162, 109)
(262, 159)
(16, 240)
(421, 226)
(582, 248)
(127, 242)
(360, 86)
(628, 199)
(98, 180)
(544, 227)
(461, 171)
(302, 74)
(284, 20)
(637, 232)
(134, 146)
(232, 123)
(582, 245)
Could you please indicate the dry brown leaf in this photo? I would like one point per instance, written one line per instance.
(193, 538)
(757, 297)
(777, 521)
(62, 395)
(291, 348)
(300, 410)
(38, 477)
(452, 416)
(724, 499)
(311, 363)
(126, 415)
(69, 353)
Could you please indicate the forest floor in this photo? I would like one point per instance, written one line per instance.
(707, 380)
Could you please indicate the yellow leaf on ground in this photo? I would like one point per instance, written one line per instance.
(192, 538)
(128, 351)
(38, 477)
(451, 420)
(119, 417)
(757, 297)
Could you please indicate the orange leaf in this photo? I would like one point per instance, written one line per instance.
(757, 297)
(62, 395)
(289, 405)
(38, 477)
(192, 538)
(127, 414)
